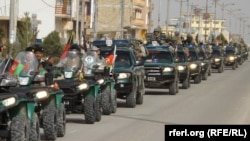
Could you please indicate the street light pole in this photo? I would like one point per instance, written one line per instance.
(206, 21)
(181, 2)
(223, 6)
(122, 18)
(13, 20)
(77, 21)
(231, 11)
(83, 38)
(168, 4)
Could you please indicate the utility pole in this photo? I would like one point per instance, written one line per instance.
(83, 38)
(168, 5)
(95, 18)
(122, 18)
(180, 20)
(206, 14)
(188, 18)
(13, 20)
(159, 13)
(77, 21)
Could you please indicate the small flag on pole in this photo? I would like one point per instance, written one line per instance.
(110, 59)
(67, 46)
(13, 67)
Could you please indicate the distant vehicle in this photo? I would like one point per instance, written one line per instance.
(161, 70)
(231, 57)
(205, 59)
(194, 64)
(181, 59)
(218, 60)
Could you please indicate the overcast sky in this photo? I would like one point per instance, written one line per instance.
(160, 10)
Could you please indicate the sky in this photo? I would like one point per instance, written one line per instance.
(46, 7)
(160, 10)
(45, 11)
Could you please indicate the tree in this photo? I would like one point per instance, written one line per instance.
(2, 36)
(52, 44)
(26, 36)
(222, 39)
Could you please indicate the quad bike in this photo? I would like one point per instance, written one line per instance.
(107, 87)
(49, 107)
(81, 95)
(17, 109)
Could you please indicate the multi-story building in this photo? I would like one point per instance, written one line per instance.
(123, 18)
(198, 25)
(112, 18)
(69, 16)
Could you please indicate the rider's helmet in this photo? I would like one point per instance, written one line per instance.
(74, 51)
(75, 47)
(30, 48)
(38, 48)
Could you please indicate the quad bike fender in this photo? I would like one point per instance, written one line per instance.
(93, 90)
(26, 109)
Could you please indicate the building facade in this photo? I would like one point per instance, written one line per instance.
(103, 18)
(198, 25)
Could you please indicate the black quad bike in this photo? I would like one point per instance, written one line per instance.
(107, 87)
(17, 110)
(81, 95)
(49, 107)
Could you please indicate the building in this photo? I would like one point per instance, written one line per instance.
(103, 18)
(39, 13)
(198, 25)
(92, 18)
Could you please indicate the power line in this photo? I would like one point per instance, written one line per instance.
(47, 4)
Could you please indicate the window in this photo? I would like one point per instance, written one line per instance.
(138, 14)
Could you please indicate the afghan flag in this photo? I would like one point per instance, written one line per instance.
(13, 67)
(67, 46)
(110, 59)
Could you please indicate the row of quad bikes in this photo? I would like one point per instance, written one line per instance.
(31, 99)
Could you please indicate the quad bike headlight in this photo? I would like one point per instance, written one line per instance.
(68, 74)
(123, 75)
(9, 101)
(41, 95)
(216, 59)
(181, 68)
(202, 64)
(23, 80)
(231, 58)
(100, 81)
(83, 86)
(193, 66)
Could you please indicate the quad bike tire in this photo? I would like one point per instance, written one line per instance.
(35, 129)
(98, 108)
(106, 101)
(114, 100)
(61, 121)
(50, 123)
(19, 129)
(89, 109)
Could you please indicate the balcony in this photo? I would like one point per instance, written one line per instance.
(138, 22)
(63, 11)
(140, 3)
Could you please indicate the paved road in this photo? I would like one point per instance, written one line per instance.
(222, 99)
